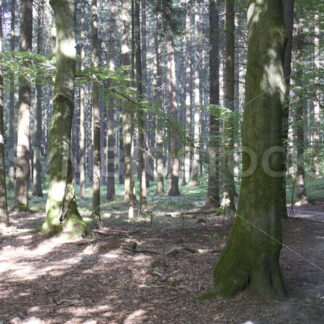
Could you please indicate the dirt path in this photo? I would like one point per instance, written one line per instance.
(98, 281)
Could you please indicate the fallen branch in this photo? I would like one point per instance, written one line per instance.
(191, 250)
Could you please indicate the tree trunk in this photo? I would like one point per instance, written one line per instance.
(229, 186)
(250, 258)
(186, 172)
(158, 93)
(196, 121)
(61, 210)
(174, 181)
(23, 139)
(111, 194)
(139, 84)
(95, 117)
(82, 107)
(12, 104)
(37, 171)
(213, 171)
(288, 6)
(3, 193)
(128, 116)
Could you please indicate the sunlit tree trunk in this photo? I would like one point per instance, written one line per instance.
(95, 117)
(250, 258)
(12, 104)
(127, 113)
(61, 209)
(213, 171)
(37, 170)
(174, 177)
(229, 186)
(3, 193)
(23, 139)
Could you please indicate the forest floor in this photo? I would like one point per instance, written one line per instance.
(127, 273)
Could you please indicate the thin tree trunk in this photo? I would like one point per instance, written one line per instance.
(23, 139)
(213, 171)
(37, 171)
(139, 84)
(196, 121)
(174, 181)
(95, 117)
(12, 104)
(111, 194)
(61, 209)
(3, 192)
(158, 93)
(186, 173)
(288, 6)
(128, 117)
(229, 187)
(82, 107)
(250, 258)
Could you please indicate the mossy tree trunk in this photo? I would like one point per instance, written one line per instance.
(61, 210)
(3, 193)
(23, 133)
(213, 171)
(95, 117)
(250, 258)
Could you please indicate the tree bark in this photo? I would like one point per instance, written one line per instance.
(111, 194)
(158, 94)
(61, 210)
(95, 117)
(229, 186)
(213, 170)
(140, 114)
(12, 104)
(196, 121)
(250, 258)
(23, 139)
(37, 170)
(3, 192)
(127, 113)
(174, 177)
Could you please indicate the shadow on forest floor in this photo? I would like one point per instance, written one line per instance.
(98, 280)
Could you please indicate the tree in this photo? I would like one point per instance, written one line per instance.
(174, 182)
(12, 103)
(128, 115)
(61, 210)
(37, 170)
(213, 171)
(158, 97)
(23, 140)
(229, 187)
(95, 117)
(139, 84)
(3, 193)
(250, 258)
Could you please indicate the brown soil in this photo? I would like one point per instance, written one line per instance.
(99, 281)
